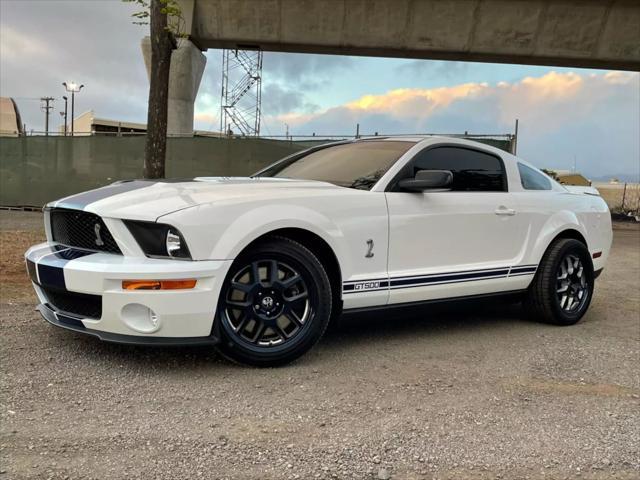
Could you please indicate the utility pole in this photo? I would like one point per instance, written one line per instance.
(46, 108)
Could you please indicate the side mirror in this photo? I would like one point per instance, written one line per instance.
(426, 180)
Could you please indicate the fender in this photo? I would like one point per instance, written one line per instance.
(260, 221)
(241, 227)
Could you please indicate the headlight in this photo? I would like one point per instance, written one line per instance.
(173, 243)
(159, 240)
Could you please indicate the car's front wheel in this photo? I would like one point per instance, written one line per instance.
(274, 305)
(563, 286)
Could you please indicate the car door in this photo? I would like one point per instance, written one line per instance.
(457, 242)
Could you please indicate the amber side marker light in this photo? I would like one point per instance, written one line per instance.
(158, 284)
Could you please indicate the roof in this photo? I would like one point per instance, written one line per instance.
(110, 123)
(477, 141)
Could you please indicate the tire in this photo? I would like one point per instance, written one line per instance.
(275, 304)
(562, 289)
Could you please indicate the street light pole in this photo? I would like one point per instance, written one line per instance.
(72, 87)
(64, 114)
(73, 98)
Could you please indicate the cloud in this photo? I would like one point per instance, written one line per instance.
(15, 44)
(592, 117)
(303, 71)
(277, 99)
(206, 121)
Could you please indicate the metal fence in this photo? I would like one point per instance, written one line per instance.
(621, 197)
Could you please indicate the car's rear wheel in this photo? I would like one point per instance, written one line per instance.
(563, 286)
(275, 304)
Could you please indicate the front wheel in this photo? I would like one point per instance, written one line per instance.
(563, 286)
(275, 304)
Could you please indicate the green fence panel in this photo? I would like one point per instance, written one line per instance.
(36, 170)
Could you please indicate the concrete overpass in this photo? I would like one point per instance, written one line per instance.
(569, 33)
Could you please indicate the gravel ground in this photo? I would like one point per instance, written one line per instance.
(470, 391)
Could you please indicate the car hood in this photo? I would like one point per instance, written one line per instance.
(151, 199)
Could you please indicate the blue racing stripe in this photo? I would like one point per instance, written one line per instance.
(523, 270)
(414, 281)
(81, 200)
(50, 276)
(448, 278)
(51, 267)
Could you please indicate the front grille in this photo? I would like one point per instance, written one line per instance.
(76, 228)
(79, 304)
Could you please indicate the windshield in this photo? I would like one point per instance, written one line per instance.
(354, 165)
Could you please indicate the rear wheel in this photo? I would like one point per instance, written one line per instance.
(275, 304)
(563, 286)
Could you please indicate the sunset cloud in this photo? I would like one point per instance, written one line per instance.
(562, 116)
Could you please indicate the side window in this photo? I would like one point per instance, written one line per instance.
(473, 171)
(532, 179)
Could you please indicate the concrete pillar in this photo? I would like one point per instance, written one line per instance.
(187, 66)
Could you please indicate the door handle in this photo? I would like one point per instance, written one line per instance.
(502, 210)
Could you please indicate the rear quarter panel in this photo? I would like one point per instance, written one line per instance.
(553, 212)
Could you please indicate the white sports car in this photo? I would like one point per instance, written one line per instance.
(258, 266)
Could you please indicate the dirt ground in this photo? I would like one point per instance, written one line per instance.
(469, 391)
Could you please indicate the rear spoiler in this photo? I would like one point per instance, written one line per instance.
(585, 190)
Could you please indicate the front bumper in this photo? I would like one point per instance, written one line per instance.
(69, 322)
(179, 316)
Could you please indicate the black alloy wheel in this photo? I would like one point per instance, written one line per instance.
(562, 289)
(275, 304)
(571, 285)
(267, 303)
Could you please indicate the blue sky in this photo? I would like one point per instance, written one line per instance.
(591, 116)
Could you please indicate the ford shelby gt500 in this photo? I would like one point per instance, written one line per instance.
(258, 266)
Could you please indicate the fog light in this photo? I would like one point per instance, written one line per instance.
(140, 318)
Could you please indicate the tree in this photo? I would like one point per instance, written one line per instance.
(551, 173)
(164, 18)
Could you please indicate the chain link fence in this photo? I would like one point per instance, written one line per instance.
(622, 198)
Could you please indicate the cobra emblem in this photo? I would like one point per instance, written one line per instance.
(96, 230)
(369, 253)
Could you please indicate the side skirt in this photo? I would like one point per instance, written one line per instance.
(512, 294)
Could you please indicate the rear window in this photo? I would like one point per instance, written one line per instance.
(531, 179)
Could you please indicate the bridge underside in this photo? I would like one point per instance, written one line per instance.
(570, 33)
